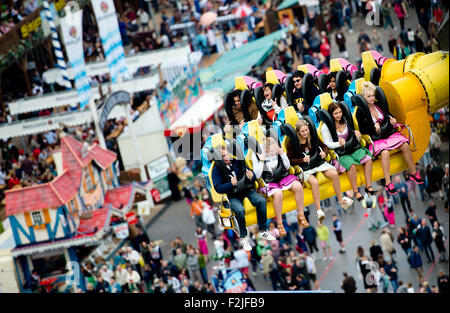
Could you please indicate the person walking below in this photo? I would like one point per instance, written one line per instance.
(386, 12)
(337, 228)
(400, 12)
(310, 236)
(426, 238)
(387, 242)
(340, 41)
(391, 270)
(377, 40)
(348, 17)
(389, 211)
(196, 211)
(402, 187)
(439, 238)
(416, 263)
(405, 242)
(324, 237)
(348, 284)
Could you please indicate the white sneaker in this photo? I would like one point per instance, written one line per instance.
(346, 203)
(330, 258)
(266, 235)
(246, 244)
(320, 215)
(324, 258)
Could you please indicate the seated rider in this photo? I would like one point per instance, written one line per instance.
(297, 95)
(379, 126)
(332, 89)
(309, 155)
(273, 165)
(239, 114)
(349, 154)
(271, 107)
(226, 182)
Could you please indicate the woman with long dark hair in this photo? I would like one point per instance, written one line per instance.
(345, 141)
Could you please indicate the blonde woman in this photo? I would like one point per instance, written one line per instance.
(310, 158)
(376, 121)
(272, 165)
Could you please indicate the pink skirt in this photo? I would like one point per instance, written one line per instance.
(393, 142)
(202, 246)
(284, 184)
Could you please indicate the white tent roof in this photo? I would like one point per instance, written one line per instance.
(44, 123)
(64, 98)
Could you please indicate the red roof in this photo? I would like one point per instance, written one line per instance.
(119, 196)
(102, 157)
(88, 227)
(49, 195)
(64, 187)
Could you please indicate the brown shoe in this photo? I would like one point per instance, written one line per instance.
(281, 230)
(302, 221)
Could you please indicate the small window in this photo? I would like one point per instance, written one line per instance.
(36, 217)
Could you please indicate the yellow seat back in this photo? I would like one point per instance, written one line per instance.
(303, 68)
(335, 65)
(358, 84)
(290, 116)
(369, 63)
(325, 100)
(272, 78)
(239, 83)
(217, 141)
(254, 130)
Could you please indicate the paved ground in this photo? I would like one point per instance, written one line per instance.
(175, 221)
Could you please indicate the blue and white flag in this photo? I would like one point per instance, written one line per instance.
(48, 14)
(72, 33)
(108, 27)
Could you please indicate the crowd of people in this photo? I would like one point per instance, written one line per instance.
(14, 14)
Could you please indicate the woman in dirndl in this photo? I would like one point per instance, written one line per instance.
(384, 143)
(313, 165)
(272, 165)
(202, 241)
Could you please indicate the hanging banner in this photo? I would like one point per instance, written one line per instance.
(108, 27)
(184, 92)
(72, 33)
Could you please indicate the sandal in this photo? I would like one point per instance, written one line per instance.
(302, 221)
(281, 230)
(360, 196)
(370, 191)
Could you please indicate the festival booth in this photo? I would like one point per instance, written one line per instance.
(290, 10)
(57, 225)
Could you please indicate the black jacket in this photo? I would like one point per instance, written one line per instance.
(424, 233)
(349, 285)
